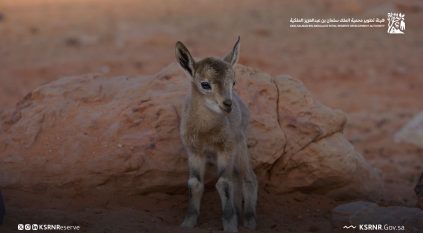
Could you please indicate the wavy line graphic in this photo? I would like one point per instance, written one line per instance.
(350, 226)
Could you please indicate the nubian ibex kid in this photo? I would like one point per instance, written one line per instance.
(214, 122)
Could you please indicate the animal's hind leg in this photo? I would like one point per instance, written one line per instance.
(197, 166)
(249, 189)
(225, 188)
(238, 193)
(249, 193)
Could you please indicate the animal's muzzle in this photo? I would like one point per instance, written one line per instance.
(227, 105)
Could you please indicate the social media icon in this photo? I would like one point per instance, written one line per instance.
(34, 227)
(20, 227)
(27, 227)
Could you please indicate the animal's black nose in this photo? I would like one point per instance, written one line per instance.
(227, 103)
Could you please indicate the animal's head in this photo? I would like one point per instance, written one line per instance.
(213, 78)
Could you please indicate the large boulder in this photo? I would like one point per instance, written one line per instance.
(91, 134)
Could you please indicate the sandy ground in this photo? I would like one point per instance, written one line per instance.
(374, 77)
(163, 213)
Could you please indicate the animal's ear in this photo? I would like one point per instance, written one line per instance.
(232, 57)
(184, 58)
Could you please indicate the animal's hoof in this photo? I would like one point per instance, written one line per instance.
(250, 223)
(230, 228)
(189, 223)
(231, 225)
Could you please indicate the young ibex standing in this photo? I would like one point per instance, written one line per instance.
(214, 122)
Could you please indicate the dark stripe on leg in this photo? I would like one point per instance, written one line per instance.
(228, 212)
(196, 174)
(226, 191)
(192, 211)
(249, 215)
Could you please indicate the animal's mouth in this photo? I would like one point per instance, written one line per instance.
(226, 109)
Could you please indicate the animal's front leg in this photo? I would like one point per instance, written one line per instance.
(196, 165)
(225, 187)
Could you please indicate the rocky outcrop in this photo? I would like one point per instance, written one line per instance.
(92, 134)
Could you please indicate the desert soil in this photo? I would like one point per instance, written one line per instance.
(374, 77)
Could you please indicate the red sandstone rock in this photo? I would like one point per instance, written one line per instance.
(91, 135)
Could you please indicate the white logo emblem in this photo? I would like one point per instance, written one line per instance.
(396, 23)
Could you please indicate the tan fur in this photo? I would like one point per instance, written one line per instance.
(214, 122)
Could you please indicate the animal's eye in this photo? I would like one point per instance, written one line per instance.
(205, 85)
